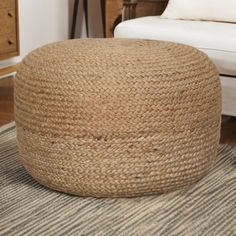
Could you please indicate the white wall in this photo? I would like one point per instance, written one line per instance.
(40, 22)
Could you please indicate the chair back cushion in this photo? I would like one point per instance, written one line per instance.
(211, 10)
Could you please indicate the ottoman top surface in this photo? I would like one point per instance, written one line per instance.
(115, 88)
(104, 55)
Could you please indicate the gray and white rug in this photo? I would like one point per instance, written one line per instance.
(207, 208)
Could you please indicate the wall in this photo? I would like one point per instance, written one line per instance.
(40, 22)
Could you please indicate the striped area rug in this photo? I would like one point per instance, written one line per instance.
(207, 208)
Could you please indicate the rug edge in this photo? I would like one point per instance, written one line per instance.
(6, 127)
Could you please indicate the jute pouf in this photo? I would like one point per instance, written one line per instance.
(117, 117)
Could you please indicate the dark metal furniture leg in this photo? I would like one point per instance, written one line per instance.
(103, 6)
(86, 16)
(75, 12)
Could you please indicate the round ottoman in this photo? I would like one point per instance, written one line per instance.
(117, 117)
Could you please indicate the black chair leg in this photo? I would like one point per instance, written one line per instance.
(75, 12)
(103, 6)
(86, 16)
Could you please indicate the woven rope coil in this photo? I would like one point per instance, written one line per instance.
(117, 117)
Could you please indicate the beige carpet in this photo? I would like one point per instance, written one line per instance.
(27, 208)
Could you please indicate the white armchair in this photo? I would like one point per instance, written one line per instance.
(217, 39)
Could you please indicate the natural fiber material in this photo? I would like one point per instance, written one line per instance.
(117, 117)
(206, 208)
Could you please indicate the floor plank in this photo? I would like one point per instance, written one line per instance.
(228, 127)
(6, 100)
(8, 70)
(228, 130)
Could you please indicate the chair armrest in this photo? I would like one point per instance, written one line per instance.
(128, 11)
(129, 7)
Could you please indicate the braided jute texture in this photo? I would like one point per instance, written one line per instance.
(117, 117)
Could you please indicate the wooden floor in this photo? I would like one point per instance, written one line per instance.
(6, 101)
(228, 127)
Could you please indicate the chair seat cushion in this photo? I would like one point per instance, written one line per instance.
(217, 39)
